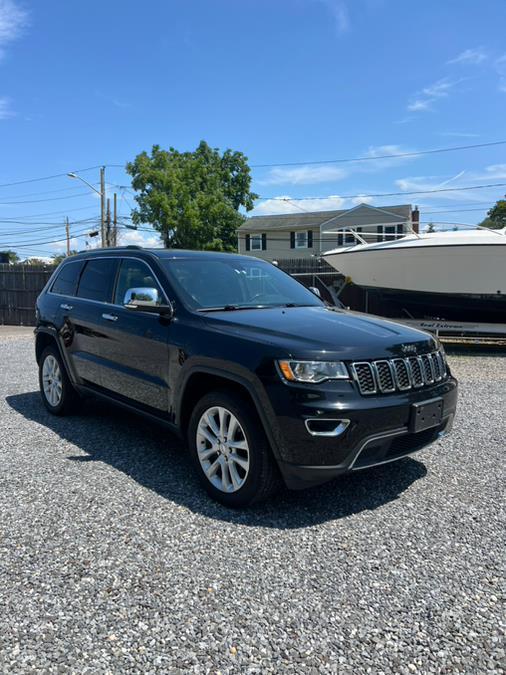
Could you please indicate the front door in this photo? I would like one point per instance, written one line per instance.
(136, 356)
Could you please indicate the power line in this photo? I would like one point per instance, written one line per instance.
(81, 193)
(389, 194)
(51, 241)
(376, 157)
(56, 175)
(44, 192)
(13, 219)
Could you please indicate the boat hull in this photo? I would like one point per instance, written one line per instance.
(437, 306)
(465, 270)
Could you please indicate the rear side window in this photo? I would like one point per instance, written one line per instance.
(66, 281)
(97, 280)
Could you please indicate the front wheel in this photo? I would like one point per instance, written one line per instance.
(230, 450)
(58, 394)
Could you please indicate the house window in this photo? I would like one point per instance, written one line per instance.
(256, 242)
(346, 238)
(301, 240)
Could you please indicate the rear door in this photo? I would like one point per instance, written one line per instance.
(86, 341)
(135, 351)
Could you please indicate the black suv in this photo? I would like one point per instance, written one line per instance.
(263, 379)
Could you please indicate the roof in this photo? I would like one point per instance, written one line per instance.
(164, 253)
(308, 220)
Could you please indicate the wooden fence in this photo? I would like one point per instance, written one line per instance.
(19, 287)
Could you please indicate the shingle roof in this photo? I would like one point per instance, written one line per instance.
(308, 220)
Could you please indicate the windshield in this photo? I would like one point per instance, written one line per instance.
(206, 284)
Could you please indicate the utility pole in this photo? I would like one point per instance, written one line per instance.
(102, 206)
(108, 232)
(67, 231)
(115, 221)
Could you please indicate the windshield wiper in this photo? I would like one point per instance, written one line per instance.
(231, 308)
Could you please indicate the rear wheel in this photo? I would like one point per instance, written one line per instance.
(230, 450)
(58, 394)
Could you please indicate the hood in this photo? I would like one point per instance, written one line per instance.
(322, 332)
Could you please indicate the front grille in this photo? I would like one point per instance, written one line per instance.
(389, 375)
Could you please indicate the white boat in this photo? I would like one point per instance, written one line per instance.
(451, 275)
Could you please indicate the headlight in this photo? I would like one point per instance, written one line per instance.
(313, 371)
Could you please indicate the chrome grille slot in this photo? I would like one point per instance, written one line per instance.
(364, 374)
(435, 367)
(416, 371)
(402, 375)
(442, 365)
(386, 376)
(425, 362)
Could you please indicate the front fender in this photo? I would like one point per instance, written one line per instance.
(239, 375)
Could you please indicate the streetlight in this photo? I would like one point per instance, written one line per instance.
(100, 192)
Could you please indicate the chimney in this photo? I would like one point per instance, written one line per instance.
(415, 219)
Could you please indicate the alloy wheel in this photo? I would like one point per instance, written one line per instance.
(52, 380)
(223, 449)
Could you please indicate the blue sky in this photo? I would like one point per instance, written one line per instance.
(85, 84)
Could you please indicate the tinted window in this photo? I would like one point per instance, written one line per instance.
(68, 276)
(97, 280)
(207, 283)
(133, 274)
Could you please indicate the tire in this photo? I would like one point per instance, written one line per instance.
(57, 392)
(234, 476)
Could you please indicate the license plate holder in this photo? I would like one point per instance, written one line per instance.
(426, 414)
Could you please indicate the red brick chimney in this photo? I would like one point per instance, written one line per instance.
(415, 219)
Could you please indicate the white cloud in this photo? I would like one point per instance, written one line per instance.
(138, 238)
(440, 88)
(5, 108)
(303, 175)
(423, 100)
(493, 172)
(458, 134)
(280, 205)
(362, 199)
(419, 104)
(339, 11)
(470, 56)
(12, 20)
(377, 160)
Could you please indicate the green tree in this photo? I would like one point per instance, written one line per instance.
(58, 257)
(430, 228)
(36, 262)
(496, 216)
(192, 198)
(11, 256)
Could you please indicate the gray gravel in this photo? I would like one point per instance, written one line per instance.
(113, 560)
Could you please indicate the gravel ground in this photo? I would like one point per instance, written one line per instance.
(112, 560)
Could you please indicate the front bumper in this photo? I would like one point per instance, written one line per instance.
(377, 431)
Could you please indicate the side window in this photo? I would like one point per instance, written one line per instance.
(66, 281)
(134, 274)
(97, 280)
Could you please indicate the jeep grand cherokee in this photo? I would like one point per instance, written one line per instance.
(263, 379)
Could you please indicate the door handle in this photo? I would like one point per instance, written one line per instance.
(110, 317)
(65, 306)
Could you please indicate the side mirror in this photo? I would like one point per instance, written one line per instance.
(316, 291)
(146, 300)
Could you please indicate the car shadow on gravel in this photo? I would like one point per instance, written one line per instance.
(156, 459)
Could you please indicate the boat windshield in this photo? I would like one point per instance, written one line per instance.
(235, 283)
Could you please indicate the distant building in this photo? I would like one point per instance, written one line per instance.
(302, 235)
